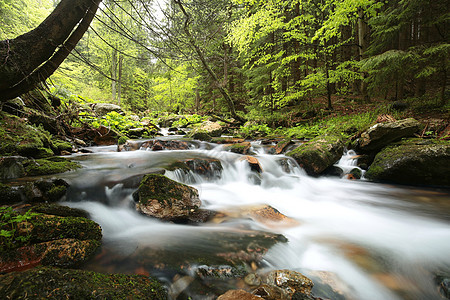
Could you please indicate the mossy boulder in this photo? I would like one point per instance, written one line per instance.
(20, 138)
(240, 148)
(413, 161)
(164, 198)
(208, 128)
(318, 154)
(59, 210)
(49, 227)
(53, 165)
(382, 134)
(47, 282)
(66, 253)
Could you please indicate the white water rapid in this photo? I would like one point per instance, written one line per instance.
(374, 241)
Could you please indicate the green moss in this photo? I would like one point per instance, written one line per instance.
(47, 282)
(60, 145)
(20, 138)
(161, 188)
(60, 210)
(49, 166)
(47, 228)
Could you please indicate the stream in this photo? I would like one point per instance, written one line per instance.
(364, 240)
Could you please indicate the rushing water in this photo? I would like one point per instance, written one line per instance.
(375, 241)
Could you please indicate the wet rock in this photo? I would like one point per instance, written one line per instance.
(290, 282)
(227, 140)
(47, 190)
(47, 282)
(443, 282)
(105, 136)
(268, 215)
(61, 253)
(201, 136)
(157, 145)
(281, 146)
(163, 198)
(220, 272)
(11, 167)
(102, 109)
(270, 292)
(414, 162)
(382, 134)
(355, 173)
(209, 168)
(253, 162)
(318, 154)
(252, 279)
(238, 294)
(328, 285)
(236, 249)
(179, 285)
(240, 148)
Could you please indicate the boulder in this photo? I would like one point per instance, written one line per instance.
(34, 239)
(104, 136)
(238, 294)
(55, 283)
(164, 198)
(382, 134)
(240, 148)
(318, 154)
(213, 129)
(66, 253)
(157, 145)
(102, 109)
(253, 163)
(413, 162)
(281, 146)
(209, 168)
(11, 167)
(290, 282)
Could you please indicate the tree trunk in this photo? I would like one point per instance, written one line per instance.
(119, 91)
(114, 74)
(34, 56)
(362, 38)
(208, 69)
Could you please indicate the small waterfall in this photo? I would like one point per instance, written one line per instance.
(378, 240)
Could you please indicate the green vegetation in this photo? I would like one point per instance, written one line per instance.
(11, 236)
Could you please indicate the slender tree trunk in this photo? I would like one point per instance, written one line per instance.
(119, 91)
(34, 56)
(362, 37)
(208, 69)
(114, 74)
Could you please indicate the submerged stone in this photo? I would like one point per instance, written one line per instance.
(238, 294)
(240, 148)
(54, 283)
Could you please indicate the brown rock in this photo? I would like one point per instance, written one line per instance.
(253, 162)
(238, 294)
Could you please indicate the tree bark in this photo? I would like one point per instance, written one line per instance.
(34, 56)
(362, 39)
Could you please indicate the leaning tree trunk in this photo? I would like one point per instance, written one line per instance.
(200, 55)
(32, 57)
